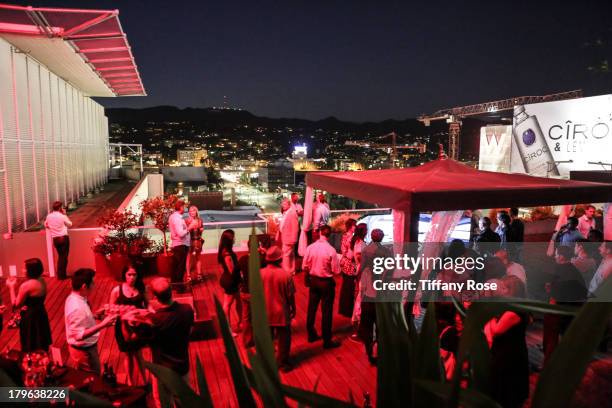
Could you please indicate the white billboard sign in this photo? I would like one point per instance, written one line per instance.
(552, 138)
(495, 145)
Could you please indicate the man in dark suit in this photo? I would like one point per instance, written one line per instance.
(172, 323)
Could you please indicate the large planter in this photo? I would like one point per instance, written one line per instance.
(118, 262)
(165, 265)
(102, 264)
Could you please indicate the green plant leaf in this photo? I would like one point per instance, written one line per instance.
(239, 375)
(261, 327)
(427, 351)
(5, 380)
(176, 385)
(269, 389)
(426, 360)
(567, 365)
(480, 364)
(467, 398)
(313, 399)
(394, 382)
(203, 385)
(308, 398)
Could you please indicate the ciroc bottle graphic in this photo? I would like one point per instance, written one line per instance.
(535, 153)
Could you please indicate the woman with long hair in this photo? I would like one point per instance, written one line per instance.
(195, 249)
(131, 292)
(348, 269)
(357, 245)
(34, 328)
(230, 277)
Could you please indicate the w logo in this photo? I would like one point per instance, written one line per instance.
(497, 135)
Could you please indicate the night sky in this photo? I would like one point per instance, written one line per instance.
(359, 60)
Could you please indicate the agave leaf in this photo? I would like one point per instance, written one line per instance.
(480, 363)
(427, 365)
(239, 376)
(309, 398)
(5, 380)
(87, 400)
(203, 385)
(269, 389)
(427, 351)
(316, 400)
(565, 369)
(478, 314)
(175, 384)
(394, 382)
(468, 398)
(530, 306)
(261, 327)
(264, 367)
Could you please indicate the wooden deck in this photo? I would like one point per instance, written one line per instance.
(338, 372)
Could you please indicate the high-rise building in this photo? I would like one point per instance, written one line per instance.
(53, 136)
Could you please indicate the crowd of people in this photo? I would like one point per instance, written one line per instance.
(151, 318)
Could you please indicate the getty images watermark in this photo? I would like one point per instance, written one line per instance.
(487, 272)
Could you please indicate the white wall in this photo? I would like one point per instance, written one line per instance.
(53, 141)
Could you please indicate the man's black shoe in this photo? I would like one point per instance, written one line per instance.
(331, 344)
(313, 338)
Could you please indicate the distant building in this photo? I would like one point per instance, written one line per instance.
(347, 165)
(300, 152)
(191, 157)
(305, 165)
(277, 174)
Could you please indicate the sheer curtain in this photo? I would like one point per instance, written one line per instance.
(306, 221)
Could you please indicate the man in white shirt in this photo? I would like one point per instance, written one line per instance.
(512, 268)
(604, 270)
(179, 234)
(587, 222)
(82, 332)
(320, 216)
(57, 222)
(289, 227)
(295, 197)
(320, 265)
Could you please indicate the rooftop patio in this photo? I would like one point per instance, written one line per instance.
(336, 373)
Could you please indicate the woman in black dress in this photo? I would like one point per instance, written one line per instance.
(195, 249)
(230, 277)
(131, 292)
(509, 357)
(34, 329)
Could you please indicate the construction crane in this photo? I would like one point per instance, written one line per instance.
(453, 116)
(420, 147)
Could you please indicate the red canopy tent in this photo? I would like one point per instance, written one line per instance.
(445, 184)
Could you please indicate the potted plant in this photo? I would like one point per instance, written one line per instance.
(116, 238)
(102, 248)
(158, 211)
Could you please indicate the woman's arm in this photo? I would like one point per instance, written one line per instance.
(229, 263)
(507, 321)
(114, 295)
